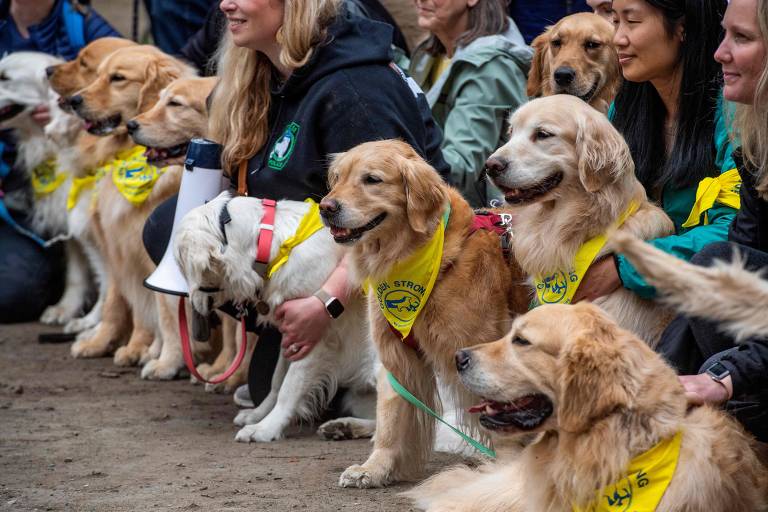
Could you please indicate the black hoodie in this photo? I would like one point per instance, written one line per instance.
(345, 95)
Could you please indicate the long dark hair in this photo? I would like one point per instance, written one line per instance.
(486, 18)
(640, 113)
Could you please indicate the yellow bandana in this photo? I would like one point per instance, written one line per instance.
(45, 179)
(723, 189)
(85, 183)
(560, 286)
(310, 223)
(133, 176)
(647, 479)
(403, 293)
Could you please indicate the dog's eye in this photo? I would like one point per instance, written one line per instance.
(542, 134)
(517, 340)
(3, 77)
(174, 103)
(370, 179)
(592, 45)
(117, 77)
(557, 43)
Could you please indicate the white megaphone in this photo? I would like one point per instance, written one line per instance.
(200, 182)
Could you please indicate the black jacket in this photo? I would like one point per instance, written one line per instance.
(749, 364)
(345, 95)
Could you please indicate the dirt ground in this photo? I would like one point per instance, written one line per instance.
(84, 435)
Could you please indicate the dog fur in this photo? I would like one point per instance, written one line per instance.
(473, 298)
(612, 398)
(580, 44)
(560, 138)
(343, 357)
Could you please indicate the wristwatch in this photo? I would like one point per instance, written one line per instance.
(333, 306)
(717, 371)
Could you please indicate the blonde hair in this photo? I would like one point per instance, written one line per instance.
(751, 121)
(240, 104)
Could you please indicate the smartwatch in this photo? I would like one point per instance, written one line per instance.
(717, 371)
(333, 306)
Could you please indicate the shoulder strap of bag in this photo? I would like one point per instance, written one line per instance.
(74, 22)
(242, 184)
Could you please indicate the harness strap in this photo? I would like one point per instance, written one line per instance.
(186, 348)
(224, 219)
(409, 340)
(264, 239)
(495, 223)
(242, 183)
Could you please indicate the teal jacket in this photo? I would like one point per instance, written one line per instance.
(471, 101)
(677, 203)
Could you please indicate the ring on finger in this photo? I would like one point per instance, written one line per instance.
(294, 348)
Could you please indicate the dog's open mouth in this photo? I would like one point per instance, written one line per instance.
(531, 194)
(524, 413)
(166, 155)
(348, 235)
(102, 126)
(10, 111)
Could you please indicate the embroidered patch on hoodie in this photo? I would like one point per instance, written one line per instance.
(284, 147)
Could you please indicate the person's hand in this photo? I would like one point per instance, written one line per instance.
(600, 280)
(702, 389)
(303, 323)
(41, 115)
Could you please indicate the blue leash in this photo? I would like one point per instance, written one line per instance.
(5, 215)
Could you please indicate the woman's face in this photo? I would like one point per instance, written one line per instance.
(253, 23)
(440, 16)
(646, 50)
(742, 52)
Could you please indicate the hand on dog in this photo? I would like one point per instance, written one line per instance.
(600, 280)
(41, 115)
(701, 389)
(303, 323)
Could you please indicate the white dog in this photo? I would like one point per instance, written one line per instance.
(23, 88)
(218, 268)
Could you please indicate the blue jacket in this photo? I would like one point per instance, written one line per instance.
(533, 16)
(52, 36)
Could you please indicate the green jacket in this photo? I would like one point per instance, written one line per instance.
(677, 203)
(471, 101)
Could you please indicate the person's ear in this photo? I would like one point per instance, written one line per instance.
(472, 3)
(680, 32)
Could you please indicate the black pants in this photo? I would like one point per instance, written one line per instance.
(690, 345)
(157, 234)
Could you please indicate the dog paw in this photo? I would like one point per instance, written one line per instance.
(80, 324)
(158, 370)
(88, 348)
(55, 315)
(214, 388)
(257, 434)
(128, 356)
(346, 428)
(244, 416)
(361, 477)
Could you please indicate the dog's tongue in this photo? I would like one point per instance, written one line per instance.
(88, 124)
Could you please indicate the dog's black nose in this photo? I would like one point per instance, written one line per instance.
(463, 360)
(76, 100)
(495, 166)
(132, 126)
(564, 75)
(329, 206)
(49, 71)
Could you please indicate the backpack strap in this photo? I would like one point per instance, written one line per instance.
(74, 21)
(242, 183)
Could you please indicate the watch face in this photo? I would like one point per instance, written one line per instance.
(718, 371)
(334, 307)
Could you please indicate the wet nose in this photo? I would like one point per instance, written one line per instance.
(76, 101)
(329, 206)
(495, 166)
(132, 126)
(564, 75)
(463, 360)
(49, 71)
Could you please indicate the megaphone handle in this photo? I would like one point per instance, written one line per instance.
(186, 348)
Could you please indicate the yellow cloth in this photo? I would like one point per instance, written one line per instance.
(647, 479)
(560, 286)
(310, 223)
(86, 182)
(439, 65)
(723, 189)
(403, 293)
(133, 176)
(46, 179)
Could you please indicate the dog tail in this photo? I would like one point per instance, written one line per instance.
(725, 293)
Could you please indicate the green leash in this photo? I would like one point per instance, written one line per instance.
(400, 390)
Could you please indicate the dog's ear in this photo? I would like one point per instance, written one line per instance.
(603, 154)
(160, 72)
(333, 168)
(424, 192)
(596, 374)
(539, 66)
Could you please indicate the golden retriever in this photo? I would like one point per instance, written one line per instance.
(576, 56)
(128, 83)
(569, 176)
(598, 397)
(385, 202)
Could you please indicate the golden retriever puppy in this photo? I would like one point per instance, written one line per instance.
(599, 398)
(576, 56)
(569, 177)
(128, 83)
(386, 203)
(164, 129)
(725, 292)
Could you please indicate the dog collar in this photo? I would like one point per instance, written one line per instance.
(264, 238)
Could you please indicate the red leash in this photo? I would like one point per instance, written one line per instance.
(186, 348)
